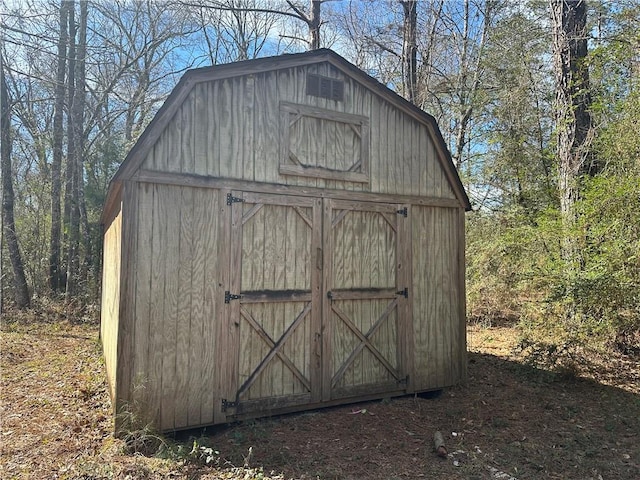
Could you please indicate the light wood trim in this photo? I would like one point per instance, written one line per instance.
(236, 286)
(199, 181)
(339, 217)
(319, 172)
(222, 321)
(267, 198)
(404, 273)
(358, 123)
(352, 394)
(365, 158)
(391, 220)
(363, 206)
(364, 341)
(274, 347)
(317, 266)
(327, 275)
(369, 391)
(252, 211)
(323, 113)
(304, 217)
(294, 158)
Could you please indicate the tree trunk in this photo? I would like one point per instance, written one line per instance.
(72, 215)
(314, 25)
(573, 120)
(8, 221)
(56, 161)
(80, 214)
(410, 50)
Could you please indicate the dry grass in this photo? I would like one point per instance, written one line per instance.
(510, 418)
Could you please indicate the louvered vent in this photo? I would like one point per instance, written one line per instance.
(325, 87)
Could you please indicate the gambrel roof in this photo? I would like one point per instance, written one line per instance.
(193, 77)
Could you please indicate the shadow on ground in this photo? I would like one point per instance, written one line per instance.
(510, 418)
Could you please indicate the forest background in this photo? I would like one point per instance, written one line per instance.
(538, 102)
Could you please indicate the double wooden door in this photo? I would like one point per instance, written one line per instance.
(318, 295)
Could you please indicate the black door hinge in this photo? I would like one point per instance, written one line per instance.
(228, 296)
(404, 381)
(227, 404)
(231, 199)
(402, 211)
(404, 292)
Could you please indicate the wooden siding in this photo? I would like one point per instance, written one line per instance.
(269, 251)
(438, 306)
(232, 128)
(110, 304)
(176, 308)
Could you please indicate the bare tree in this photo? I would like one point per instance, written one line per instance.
(410, 49)
(56, 161)
(8, 222)
(75, 151)
(310, 16)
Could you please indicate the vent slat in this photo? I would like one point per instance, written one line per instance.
(325, 87)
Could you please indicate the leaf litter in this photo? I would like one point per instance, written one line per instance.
(510, 421)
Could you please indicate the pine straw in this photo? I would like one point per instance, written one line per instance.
(510, 419)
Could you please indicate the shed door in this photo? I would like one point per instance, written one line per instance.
(363, 331)
(277, 267)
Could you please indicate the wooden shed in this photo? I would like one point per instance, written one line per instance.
(287, 233)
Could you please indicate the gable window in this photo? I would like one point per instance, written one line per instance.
(321, 143)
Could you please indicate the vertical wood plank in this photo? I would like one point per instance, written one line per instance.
(196, 407)
(213, 139)
(185, 399)
(266, 132)
(315, 333)
(247, 127)
(157, 311)
(423, 161)
(126, 305)
(327, 316)
(439, 254)
(431, 169)
(414, 158)
(438, 176)
(405, 306)
(201, 118)
(173, 134)
(187, 134)
(222, 322)
(224, 115)
(143, 292)
(172, 197)
(376, 154)
(283, 94)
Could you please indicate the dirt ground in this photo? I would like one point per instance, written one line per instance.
(509, 421)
